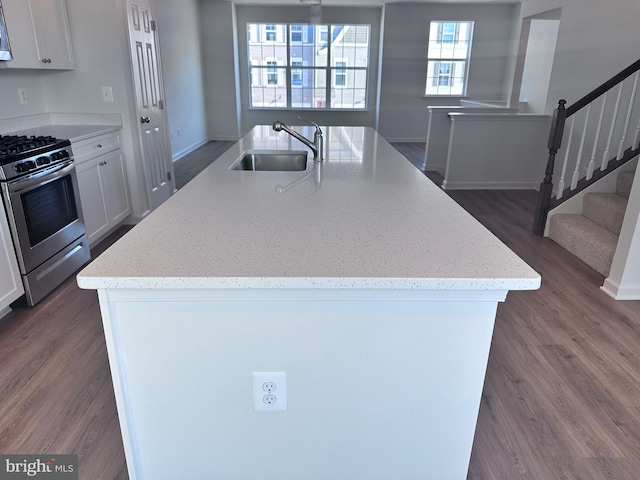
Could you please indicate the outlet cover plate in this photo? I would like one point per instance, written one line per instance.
(269, 391)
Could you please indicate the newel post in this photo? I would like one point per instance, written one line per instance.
(555, 141)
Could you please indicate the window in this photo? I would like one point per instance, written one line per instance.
(448, 58)
(340, 78)
(308, 66)
(296, 73)
(272, 72)
(270, 33)
(296, 33)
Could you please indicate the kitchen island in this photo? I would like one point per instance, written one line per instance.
(369, 287)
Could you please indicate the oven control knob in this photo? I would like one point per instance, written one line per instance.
(43, 160)
(30, 164)
(21, 168)
(60, 155)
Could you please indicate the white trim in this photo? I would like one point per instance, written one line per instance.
(302, 295)
(5, 311)
(613, 289)
(489, 185)
(405, 139)
(185, 151)
(135, 219)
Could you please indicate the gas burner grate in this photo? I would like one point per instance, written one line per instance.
(14, 144)
(20, 147)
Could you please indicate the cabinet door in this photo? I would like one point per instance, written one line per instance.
(52, 33)
(94, 212)
(21, 31)
(114, 187)
(10, 282)
(38, 31)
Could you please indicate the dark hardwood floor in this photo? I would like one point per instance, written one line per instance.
(193, 163)
(561, 397)
(56, 395)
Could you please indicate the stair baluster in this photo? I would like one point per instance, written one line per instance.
(592, 161)
(576, 172)
(607, 151)
(560, 189)
(628, 119)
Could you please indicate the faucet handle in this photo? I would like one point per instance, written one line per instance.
(308, 121)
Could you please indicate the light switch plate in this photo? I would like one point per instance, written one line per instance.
(107, 94)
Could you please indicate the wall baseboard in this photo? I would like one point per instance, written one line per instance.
(490, 185)
(135, 219)
(616, 292)
(223, 139)
(406, 140)
(5, 311)
(178, 155)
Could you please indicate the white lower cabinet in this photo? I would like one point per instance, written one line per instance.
(103, 190)
(10, 282)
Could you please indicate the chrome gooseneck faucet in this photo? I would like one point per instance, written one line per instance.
(316, 146)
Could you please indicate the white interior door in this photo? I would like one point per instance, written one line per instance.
(147, 78)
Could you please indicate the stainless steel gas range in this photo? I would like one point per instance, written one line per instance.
(41, 199)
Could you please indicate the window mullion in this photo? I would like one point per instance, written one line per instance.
(329, 85)
(288, 65)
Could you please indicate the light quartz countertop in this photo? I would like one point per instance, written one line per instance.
(75, 133)
(365, 218)
(71, 126)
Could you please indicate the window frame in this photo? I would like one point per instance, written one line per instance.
(318, 78)
(436, 60)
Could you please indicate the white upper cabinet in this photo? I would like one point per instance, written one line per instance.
(38, 31)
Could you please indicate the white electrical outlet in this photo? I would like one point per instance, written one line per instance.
(269, 391)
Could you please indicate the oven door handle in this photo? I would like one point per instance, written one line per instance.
(41, 178)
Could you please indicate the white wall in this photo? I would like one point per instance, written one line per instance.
(623, 282)
(403, 107)
(10, 81)
(217, 27)
(490, 151)
(595, 41)
(179, 33)
(538, 63)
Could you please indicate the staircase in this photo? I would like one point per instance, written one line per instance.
(603, 134)
(593, 235)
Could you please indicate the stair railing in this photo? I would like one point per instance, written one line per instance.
(605, 132)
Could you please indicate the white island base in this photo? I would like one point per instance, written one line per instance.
(380, 384)
(369, 287)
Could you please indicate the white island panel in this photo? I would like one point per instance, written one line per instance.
(358, 277)
(378, 386)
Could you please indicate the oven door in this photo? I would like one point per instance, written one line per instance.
(46, 213)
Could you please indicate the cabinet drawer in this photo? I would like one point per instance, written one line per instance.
(92, 147)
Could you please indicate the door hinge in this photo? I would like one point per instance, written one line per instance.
(153, 25)
(161, 104)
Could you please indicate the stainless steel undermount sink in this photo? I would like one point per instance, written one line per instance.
(271, 161)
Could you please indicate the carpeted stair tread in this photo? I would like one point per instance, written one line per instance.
(593, 244)
(605, 209)
(624, 182)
